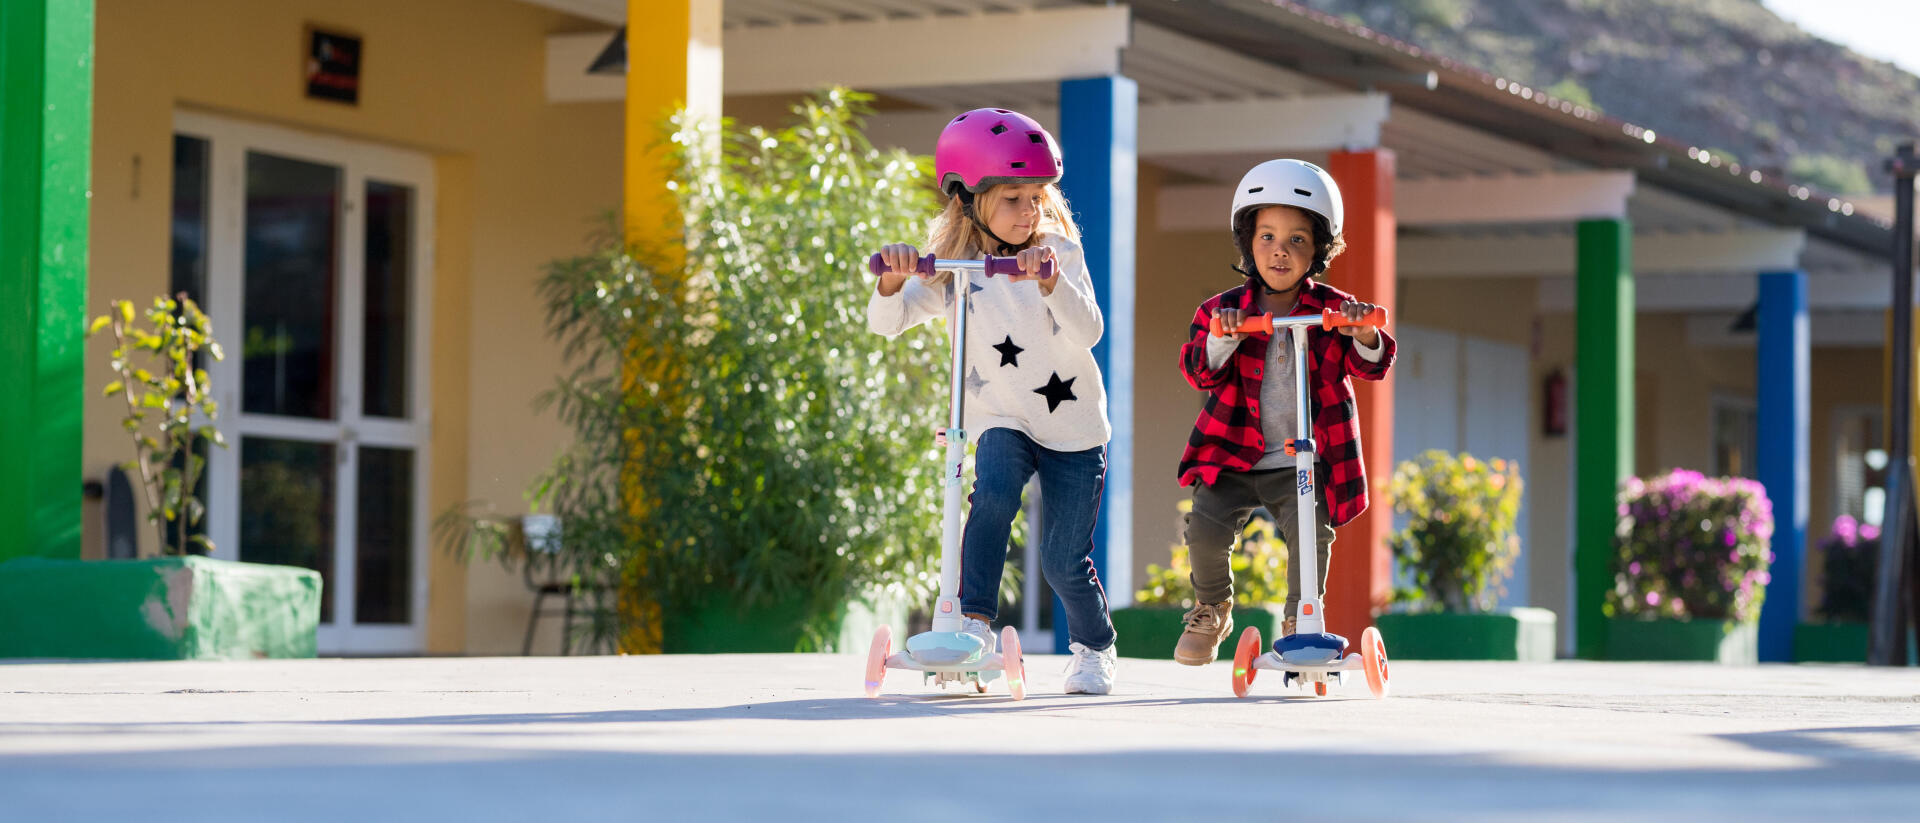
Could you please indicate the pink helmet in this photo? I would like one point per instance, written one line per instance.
(988, 147)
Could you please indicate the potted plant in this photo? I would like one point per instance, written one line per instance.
(1690, 571)
(1455, 554)
(1151, 627)
(750, 467)
(1849, 559)
(182, 604)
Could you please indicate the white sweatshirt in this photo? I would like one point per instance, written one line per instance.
(1030, 363)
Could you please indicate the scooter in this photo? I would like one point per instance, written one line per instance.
(1310, 655)
(945, 653)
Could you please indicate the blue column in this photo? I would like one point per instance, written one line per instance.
(1784, 364)
(1099, 124)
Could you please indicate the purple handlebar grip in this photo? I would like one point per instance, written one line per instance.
(878, 266)
(1009, 265)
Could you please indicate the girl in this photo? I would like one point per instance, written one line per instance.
(1286, 221)
(1035, 401)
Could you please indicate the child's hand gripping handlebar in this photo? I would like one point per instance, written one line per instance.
(1329, 319)
(991, 266)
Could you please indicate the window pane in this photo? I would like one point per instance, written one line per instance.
(189, 231)
(289, 358)
(384, 557)
(188, 271)
(389, 284)
(286, 507)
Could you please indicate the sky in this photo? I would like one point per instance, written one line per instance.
(1883, 29)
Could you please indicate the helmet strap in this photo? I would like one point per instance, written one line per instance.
(966, 205)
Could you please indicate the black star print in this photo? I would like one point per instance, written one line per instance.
(1057, 391)
(1009, 353)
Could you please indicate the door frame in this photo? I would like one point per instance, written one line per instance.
(229, 141)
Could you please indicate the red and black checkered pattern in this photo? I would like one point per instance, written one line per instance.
(1226, 436)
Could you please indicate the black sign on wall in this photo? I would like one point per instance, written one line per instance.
(333, 66)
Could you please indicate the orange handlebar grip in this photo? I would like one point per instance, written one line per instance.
(1334, 318)
(1248, 325)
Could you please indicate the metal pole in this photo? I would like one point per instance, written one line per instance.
(947, 613)
(1888, 646)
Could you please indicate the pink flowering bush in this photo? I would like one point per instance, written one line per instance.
(1849, 557)
(1690, 546)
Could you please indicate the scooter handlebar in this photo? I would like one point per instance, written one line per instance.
(991, 266)
(1329, 319)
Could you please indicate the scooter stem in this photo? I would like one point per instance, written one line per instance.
(1310, 620)
(946, 611)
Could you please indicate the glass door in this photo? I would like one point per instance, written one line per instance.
(316, 275)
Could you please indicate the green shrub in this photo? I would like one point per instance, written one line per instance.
(171, 413)
(737, 430)
(1460, 543)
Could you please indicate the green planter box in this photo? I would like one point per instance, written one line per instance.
(1830, 642)
(1152, 631)
(1512, 634)
(172, 608)
(716, 625)
(1715, 641)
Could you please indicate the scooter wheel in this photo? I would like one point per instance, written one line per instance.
(1373, 659)
(877, 659)
(1243, 657)
(979, 685)
(1320, 689)
(1016, 668)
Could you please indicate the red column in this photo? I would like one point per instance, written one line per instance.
(1361, 577)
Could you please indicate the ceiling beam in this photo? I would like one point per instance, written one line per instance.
(1734, 252)
(1001, 47)
(1828, 292)
(1548, 197)
(1269, 126)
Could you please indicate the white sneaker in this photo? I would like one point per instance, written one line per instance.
(979, 628)
(1090, 672)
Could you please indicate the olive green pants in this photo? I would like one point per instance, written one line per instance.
(1221, 510)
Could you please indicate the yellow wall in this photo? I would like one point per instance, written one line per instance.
(520, 182)
(1504, 309)
(1174, 273)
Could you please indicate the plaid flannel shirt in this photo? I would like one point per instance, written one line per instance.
(1226, 436)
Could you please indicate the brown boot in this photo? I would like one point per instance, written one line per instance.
(1207, 625)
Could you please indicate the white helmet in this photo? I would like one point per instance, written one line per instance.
(1296, 183)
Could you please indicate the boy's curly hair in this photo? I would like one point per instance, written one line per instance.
(1326, 245)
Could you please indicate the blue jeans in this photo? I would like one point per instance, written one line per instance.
(1070, 487)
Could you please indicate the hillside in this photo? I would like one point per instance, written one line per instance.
(1723, 74)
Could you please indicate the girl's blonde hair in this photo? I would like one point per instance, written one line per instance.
(953, 236)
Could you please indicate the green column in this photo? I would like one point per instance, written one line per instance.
(46, 121)
(1603, 420)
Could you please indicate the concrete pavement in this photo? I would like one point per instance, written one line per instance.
(788, 737)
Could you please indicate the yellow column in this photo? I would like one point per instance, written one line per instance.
(673, 60)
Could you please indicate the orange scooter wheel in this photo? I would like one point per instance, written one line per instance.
(877, 659)
(1373, 659)
(1243, 657)
(1015, 667)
